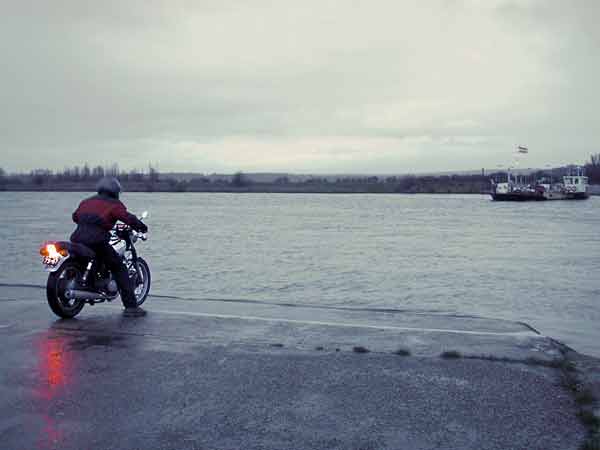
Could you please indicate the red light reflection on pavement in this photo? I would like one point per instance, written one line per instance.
(55, 376)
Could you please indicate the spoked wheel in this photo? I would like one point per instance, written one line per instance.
(68, 276)
(140, 278)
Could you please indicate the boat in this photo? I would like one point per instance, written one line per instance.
(573, 187)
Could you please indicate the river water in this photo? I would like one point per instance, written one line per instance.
(457, 254)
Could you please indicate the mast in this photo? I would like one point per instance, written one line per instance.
(521, 150)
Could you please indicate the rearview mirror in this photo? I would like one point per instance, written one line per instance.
(144, 215)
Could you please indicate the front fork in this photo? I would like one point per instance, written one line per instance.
(131, 264)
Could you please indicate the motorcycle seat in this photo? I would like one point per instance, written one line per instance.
(78, 249)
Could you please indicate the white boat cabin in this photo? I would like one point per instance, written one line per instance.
(502, 188)
(575, 183)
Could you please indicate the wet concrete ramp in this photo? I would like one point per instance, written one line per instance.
(231, 376)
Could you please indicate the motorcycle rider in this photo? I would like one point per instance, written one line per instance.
(95, 217)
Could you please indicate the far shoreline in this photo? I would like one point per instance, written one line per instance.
(241, 191)
(254, 190)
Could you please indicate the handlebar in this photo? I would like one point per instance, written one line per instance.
(122, 231)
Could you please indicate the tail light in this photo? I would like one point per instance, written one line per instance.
(53, 250)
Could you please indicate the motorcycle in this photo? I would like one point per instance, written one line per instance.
(76, 277)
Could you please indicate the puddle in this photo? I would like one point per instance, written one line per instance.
(85, 342)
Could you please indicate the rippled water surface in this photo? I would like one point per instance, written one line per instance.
(535, 262)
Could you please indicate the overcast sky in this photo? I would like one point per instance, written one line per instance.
(299, 86)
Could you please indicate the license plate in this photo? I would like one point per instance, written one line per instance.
(50, 262)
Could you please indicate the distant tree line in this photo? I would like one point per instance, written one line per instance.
(592, 169)
(84, 178)
(76, 176)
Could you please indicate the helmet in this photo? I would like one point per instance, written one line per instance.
(109, 186)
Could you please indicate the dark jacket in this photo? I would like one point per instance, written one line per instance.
(97, 215)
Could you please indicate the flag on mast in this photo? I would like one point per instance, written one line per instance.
(522, 149)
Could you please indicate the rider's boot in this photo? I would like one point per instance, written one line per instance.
(134, 311)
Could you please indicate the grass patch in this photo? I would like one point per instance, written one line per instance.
(562, 364)
(569, 383)
(585, 400)
(542, 362)
(589, 419)
(402, 352)
(568, 366)
(592, 443)
(451, 354)
(530, 361)
(569, 380)
(493, 358)
(584, 397)
(360, 349)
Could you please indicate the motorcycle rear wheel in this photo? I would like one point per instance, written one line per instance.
(55, 290)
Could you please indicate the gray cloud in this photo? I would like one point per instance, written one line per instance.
(299, 86)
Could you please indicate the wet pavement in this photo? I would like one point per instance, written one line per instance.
(241, 375)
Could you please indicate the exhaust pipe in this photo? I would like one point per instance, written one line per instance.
(76, 294)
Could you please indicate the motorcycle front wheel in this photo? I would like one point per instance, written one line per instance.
(58, 282)
(141, 281)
